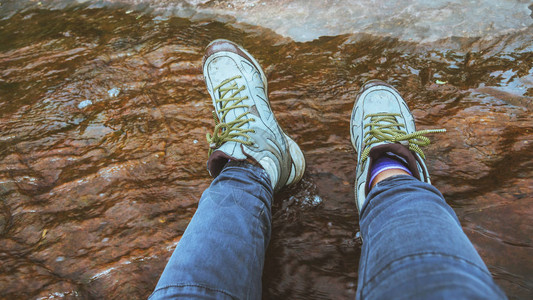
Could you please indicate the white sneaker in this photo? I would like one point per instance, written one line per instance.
(381, 123)
(245, 127)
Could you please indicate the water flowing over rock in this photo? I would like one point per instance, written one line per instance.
(303, 20)
(103, 115)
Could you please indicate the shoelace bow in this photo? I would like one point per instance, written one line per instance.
(385, 128)
(229, 131)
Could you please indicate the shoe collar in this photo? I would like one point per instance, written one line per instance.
(397, 149)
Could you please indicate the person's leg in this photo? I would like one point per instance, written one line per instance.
(221, 253)
(413, 244)
(415, 248)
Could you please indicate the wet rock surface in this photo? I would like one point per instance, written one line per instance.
(103, 115)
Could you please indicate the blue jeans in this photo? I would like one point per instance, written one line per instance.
(413, 244)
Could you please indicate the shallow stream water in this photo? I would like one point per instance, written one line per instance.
(103, 115)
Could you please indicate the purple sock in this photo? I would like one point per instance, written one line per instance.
(386, 163)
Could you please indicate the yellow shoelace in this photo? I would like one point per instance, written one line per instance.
(229, 131)
(385, 128)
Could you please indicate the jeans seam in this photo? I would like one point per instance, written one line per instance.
(365, 249)
(194, 285)
(249, 284)
(389, 265)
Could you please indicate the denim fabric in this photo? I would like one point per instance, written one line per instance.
(222, 251)
(414, 247)
(413, 244)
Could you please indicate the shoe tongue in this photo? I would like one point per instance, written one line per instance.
(234, 112)
(401, 151)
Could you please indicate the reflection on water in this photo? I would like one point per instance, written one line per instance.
(103, 115)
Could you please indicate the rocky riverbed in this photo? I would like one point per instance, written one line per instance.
(103, 115)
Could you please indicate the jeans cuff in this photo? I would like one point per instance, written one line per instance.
(255, 170)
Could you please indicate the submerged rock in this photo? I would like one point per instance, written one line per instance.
(95, 198)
